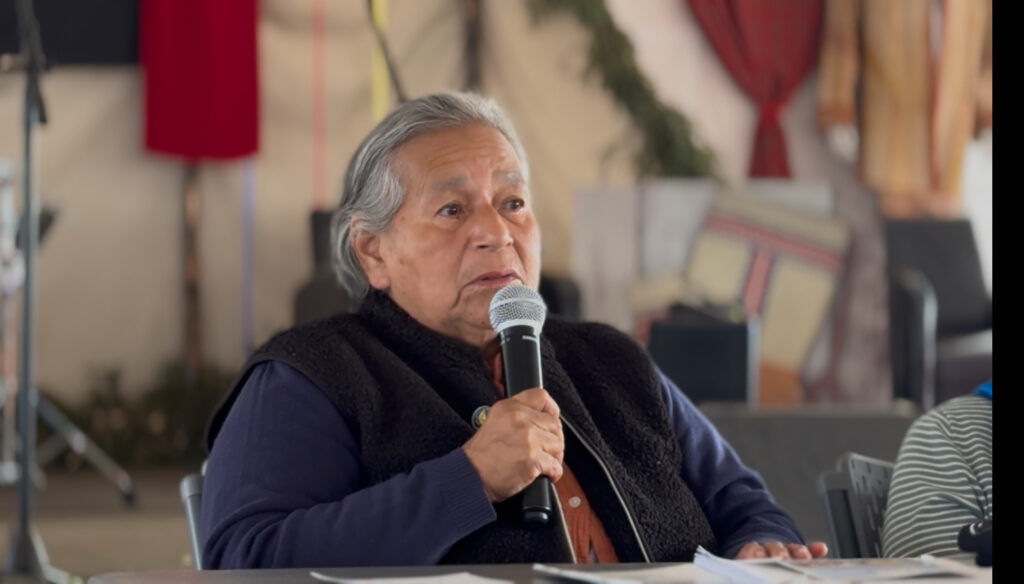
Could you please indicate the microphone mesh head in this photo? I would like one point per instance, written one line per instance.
(516, 303)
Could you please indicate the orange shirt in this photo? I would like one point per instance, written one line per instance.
(588, 536)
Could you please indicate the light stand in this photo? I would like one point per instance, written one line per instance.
(14, 257)
(23, 557)
(26, 555)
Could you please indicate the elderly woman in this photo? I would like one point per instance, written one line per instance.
(350, 441)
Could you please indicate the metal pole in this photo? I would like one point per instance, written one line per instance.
(11, 279)
(22, 557)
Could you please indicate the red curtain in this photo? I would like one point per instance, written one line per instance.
(199, 59)
(768, 46)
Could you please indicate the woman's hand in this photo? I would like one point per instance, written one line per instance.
(520, 440)
(776, 549)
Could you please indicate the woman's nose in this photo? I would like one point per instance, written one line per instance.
(490, 229)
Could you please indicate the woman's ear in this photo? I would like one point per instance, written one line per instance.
(367, 247)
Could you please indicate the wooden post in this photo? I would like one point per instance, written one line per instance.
(193, 330)
(471, 14)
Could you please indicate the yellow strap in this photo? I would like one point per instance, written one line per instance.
(380, 84)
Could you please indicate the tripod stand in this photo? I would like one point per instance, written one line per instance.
(65, 433)
(26, 555)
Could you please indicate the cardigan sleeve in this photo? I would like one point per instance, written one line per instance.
(282, 489)
(734, 497)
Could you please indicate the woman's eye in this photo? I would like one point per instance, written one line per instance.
(515, 204)
(450, 210)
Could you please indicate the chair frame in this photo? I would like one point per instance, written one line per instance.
(191, 488)
(855, 504)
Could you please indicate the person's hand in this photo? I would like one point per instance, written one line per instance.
(777, 549)
(520, 440)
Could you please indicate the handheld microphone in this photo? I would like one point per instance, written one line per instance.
(517, 313)
(977, 537)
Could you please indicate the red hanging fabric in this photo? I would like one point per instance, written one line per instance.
(768, 46)
(199, 60)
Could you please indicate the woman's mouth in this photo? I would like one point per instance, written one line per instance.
(496, 279)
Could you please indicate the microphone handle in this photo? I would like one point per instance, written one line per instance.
(520, 353)
(537, 502)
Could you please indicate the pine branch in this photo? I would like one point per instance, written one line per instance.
(668, 147)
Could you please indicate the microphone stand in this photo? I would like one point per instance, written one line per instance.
(24, 557)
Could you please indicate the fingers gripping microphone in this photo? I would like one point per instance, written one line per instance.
(517, 314)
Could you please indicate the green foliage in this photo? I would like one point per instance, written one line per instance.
(163, 424)
(668, 147)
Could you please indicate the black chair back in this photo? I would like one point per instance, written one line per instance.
(855, 496)
(940, 311)
(946, 253)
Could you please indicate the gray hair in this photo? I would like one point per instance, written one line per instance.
(372, 193)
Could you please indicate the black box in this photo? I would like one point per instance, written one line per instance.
(709, 354)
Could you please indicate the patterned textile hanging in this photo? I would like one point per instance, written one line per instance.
(924, 68)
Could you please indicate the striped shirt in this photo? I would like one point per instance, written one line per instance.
(942, 480)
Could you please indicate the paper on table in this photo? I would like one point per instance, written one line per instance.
(674, 573)
(671, 574)
(457, 578)
(865, 569)
(764, 571)
(579, 576)
(777, 571)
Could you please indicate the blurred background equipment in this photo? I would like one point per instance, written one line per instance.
(12, 274)
(26, 554)
(76, 33)
(707, 352)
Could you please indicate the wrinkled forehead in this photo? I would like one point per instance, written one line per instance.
(458, 182)
(451, 159)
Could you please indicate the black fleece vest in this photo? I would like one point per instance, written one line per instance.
(408, 394)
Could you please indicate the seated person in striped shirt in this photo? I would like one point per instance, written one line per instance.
(943, 478)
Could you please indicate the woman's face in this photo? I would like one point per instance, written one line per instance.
(465, 230)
